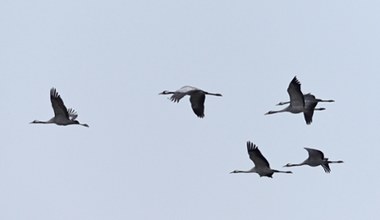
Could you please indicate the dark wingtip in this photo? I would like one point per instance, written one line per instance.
(249, 144)
(295, 81)
(199, 114)
(173, 99)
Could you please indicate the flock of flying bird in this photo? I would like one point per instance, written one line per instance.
(299, 103)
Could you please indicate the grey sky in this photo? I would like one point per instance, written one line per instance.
(144, 157)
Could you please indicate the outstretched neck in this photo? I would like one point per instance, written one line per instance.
(328, 100)
(279, 111)
(283, 103)
(214, 94)
(241, 171)
(166, 92)
(338, 161)
(319, 109)
(293, 164)
(280, 171)
(77, 122)
(85, 125)
(40, 122)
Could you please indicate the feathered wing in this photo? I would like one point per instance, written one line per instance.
(314, 153)
(310, 104)
(177, 96)
(197, 101)
(187, 89)
(309, 112)
(295, 93)
(308, 115)
(326, 167)
(180, 93)
(72, 114)
(256, 156)
(57, 104)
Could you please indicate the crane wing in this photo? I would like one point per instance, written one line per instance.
(326, 167)
(72, 114)
(180, 93)
(309, 112)
(187, 89)
(314, 153)
(295, 94)
(308, 115)
(177, 96)
(310, 103)
(57, 104)
(197, 101)
(256, 156)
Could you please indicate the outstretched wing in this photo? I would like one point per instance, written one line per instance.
(180, 93)
(314, 153)
(326, 167)
(256, 156)
(310, 104)
(177, 96)
(317, 154)
(72, 114)
(57, 104)
(295, 94)
(197, 101)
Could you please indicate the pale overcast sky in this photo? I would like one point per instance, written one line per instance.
(144, 157)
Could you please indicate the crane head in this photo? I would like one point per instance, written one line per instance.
(77, 122)
(165, 92)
